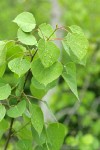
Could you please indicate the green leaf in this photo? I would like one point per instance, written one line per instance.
(37, 93)
(26, 38)
(17, 110)
(39, 148)
(48, 52)
(39, 139)
(4, 126)
(5, 91)
(38, 90)
(2, 69)
(76, 29)
(2, 53)
(56, 133)
(25, 21)
(43, 147)
(38, 85)
(25, 133)
(69, 75)
(19, 66)
(2, 112)
(14, 50)
(24, 145)
(45, 30)
(37, 118)
(76, 43)
(20, 86)
(46, 75)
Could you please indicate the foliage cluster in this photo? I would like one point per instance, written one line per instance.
(35, 59)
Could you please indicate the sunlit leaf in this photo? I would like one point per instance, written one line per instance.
(26, 38)
(2, 53)
(48, 52)
(45, 31)
(46, 75)
(19, 66)
(5, 91)
(25, 21)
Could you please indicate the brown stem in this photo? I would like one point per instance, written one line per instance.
(9, 134)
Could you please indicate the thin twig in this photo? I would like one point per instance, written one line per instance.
(15, 132)
(52, 34)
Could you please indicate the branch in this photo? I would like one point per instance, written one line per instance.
(9, 134)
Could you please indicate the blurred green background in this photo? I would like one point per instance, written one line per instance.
(82, 120)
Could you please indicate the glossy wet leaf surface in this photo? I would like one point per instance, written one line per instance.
(45, 30)
(48, 52)
(75, 42)
(19, 66)
(46, 75)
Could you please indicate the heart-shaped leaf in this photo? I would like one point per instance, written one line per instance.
(25, 21)
(75, 43)
(46, 75)
(5, 91)
(26, 38)
(19, 66)
(56, 133)
(45, 30)
(48, 52)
